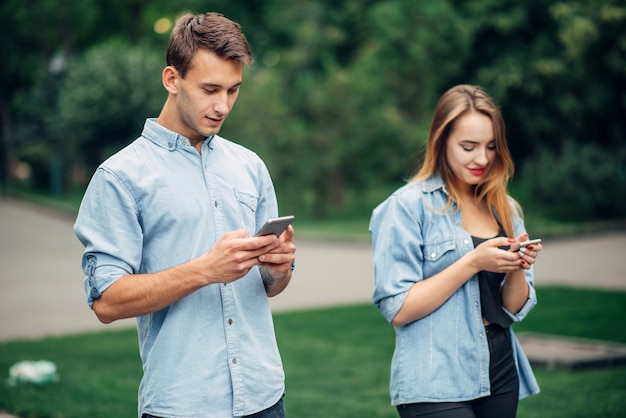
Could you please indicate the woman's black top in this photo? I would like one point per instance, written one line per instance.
(490, 295)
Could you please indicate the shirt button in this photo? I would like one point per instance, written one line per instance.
(216, 204)
(230, 322)
(466, 242)
(481, 335)
(234, 360)
(433, 255)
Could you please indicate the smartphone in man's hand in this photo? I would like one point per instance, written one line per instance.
(275, 226)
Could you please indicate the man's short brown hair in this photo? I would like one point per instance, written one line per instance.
(211, 31)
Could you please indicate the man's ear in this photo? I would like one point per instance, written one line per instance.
(168, 77)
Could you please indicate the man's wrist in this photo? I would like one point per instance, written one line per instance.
(268, 279)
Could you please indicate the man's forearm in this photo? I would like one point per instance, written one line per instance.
(135, 295)
(272, 285)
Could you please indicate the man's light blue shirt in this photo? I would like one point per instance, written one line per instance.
(159, 203)
(443, 357)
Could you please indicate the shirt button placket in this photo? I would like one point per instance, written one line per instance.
(232, 340)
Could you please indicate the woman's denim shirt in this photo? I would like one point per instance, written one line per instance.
(443, 357)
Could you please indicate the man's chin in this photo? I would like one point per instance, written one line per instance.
(209, 132)
(212, 130)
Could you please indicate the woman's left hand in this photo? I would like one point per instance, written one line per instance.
(528, 254)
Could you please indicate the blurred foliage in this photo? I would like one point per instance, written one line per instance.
(120, 86)
(339, 100)
(581, 181)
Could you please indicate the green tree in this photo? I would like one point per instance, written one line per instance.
(340, 98)
(557, 69)
(294, 100)
(37, 30)
(106, 97)
(349, 95)
(578, 182)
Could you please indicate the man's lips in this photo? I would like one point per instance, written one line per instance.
(215, 121)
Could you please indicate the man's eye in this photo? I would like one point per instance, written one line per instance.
(233, 91)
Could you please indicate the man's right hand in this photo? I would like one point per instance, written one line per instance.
(235, 254)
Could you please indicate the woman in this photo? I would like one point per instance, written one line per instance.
(450, 274)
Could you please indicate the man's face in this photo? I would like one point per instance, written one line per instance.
(207, 94)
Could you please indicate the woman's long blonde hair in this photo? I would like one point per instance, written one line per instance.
(492, 190)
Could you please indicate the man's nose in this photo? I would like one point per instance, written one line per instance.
(220, 106)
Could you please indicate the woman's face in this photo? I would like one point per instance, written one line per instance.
(471, 147)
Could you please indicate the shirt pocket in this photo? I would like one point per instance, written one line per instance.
(247, 206)
(438, 255)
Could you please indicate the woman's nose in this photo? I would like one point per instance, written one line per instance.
(482, 157)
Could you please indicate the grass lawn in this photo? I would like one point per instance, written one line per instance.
(336, 361)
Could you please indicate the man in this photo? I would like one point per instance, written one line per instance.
(168, 227)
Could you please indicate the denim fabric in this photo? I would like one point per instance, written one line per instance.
(159, 203)
(276, 411)
(503, 401)
(443, 357)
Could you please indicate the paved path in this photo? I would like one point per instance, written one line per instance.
(41, 282)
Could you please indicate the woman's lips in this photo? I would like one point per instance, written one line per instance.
(477, 171)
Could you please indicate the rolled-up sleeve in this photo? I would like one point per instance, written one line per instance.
(528, 306)
(108, 227)
(397, 255)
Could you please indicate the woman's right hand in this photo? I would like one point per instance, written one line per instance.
(489, 256)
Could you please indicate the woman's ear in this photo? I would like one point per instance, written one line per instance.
(168, 78)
